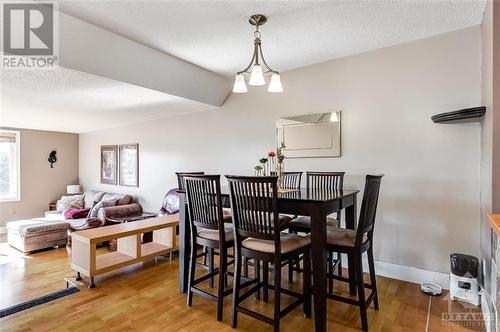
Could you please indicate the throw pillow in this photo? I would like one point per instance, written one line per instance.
(95, 209)
(92, 196)
(68, 202)
(121, 199)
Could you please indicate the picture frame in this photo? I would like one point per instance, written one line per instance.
(128, 156)
(109, 163)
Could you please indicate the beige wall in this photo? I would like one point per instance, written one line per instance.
(430, 195)
(41, 184)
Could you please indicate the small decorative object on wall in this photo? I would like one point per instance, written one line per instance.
(108, 164)
(52, 158)
(311, 135)
(129, 165)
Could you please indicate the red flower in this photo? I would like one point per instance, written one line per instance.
(271, 154)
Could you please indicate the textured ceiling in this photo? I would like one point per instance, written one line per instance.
(72, 101)
(216, 34)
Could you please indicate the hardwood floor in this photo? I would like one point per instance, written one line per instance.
(144, 297)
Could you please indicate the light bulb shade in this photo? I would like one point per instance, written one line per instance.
(73, 189)
(239, 84)
(334, 117)
(275, 84)
(257, 77)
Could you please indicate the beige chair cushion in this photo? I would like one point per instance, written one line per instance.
(289, 242)
(305, 222)
(342, 237)
(213, 234)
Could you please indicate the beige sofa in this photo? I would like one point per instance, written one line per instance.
(53, 229)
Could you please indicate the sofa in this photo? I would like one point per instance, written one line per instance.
(53, 229)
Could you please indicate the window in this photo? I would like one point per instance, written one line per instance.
(10, 188)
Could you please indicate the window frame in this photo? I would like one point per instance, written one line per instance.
(17, 197)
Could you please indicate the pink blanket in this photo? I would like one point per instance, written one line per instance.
(76, 213)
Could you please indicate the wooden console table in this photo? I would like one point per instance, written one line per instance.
(129, 250)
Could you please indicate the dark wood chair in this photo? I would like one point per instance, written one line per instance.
(290, 180)
(315, 182)
(211, 229)
(257, 230)
(206, 253)
(354, 243)
(181, 183)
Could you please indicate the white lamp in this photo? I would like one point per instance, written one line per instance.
(256, 78)
(73, 189)
(239, 84)
(275, 84)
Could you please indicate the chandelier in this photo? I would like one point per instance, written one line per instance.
(255, 67)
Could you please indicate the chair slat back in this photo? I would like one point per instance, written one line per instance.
(368, 208)
(181, 184)
(317, 182)
(204, 201)
(291, 180)
(325, 180)
(254, 204)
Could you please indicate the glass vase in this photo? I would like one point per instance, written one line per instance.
(280, 171)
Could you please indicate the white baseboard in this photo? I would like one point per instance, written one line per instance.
(411, 274)
(3, 230)
(406, 273)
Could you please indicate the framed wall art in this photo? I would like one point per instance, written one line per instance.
(129, 165)
(109, 164)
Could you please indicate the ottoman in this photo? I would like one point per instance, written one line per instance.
(35, 234)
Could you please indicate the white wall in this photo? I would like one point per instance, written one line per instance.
(41, 184)
(430, 195)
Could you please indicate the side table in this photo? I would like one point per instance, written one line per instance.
(53, 206)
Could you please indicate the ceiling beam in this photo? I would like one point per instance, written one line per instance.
(94, 50)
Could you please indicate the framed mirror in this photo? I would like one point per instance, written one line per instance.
(316, 135)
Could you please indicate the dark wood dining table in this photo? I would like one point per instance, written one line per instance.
(315, 203)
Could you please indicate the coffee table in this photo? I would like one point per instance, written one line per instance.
(84, 258)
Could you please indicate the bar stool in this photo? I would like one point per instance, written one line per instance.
(206, 253)
(289, 180)
(209, 228)
(354, 243)
(257, 226)
(316, 182)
